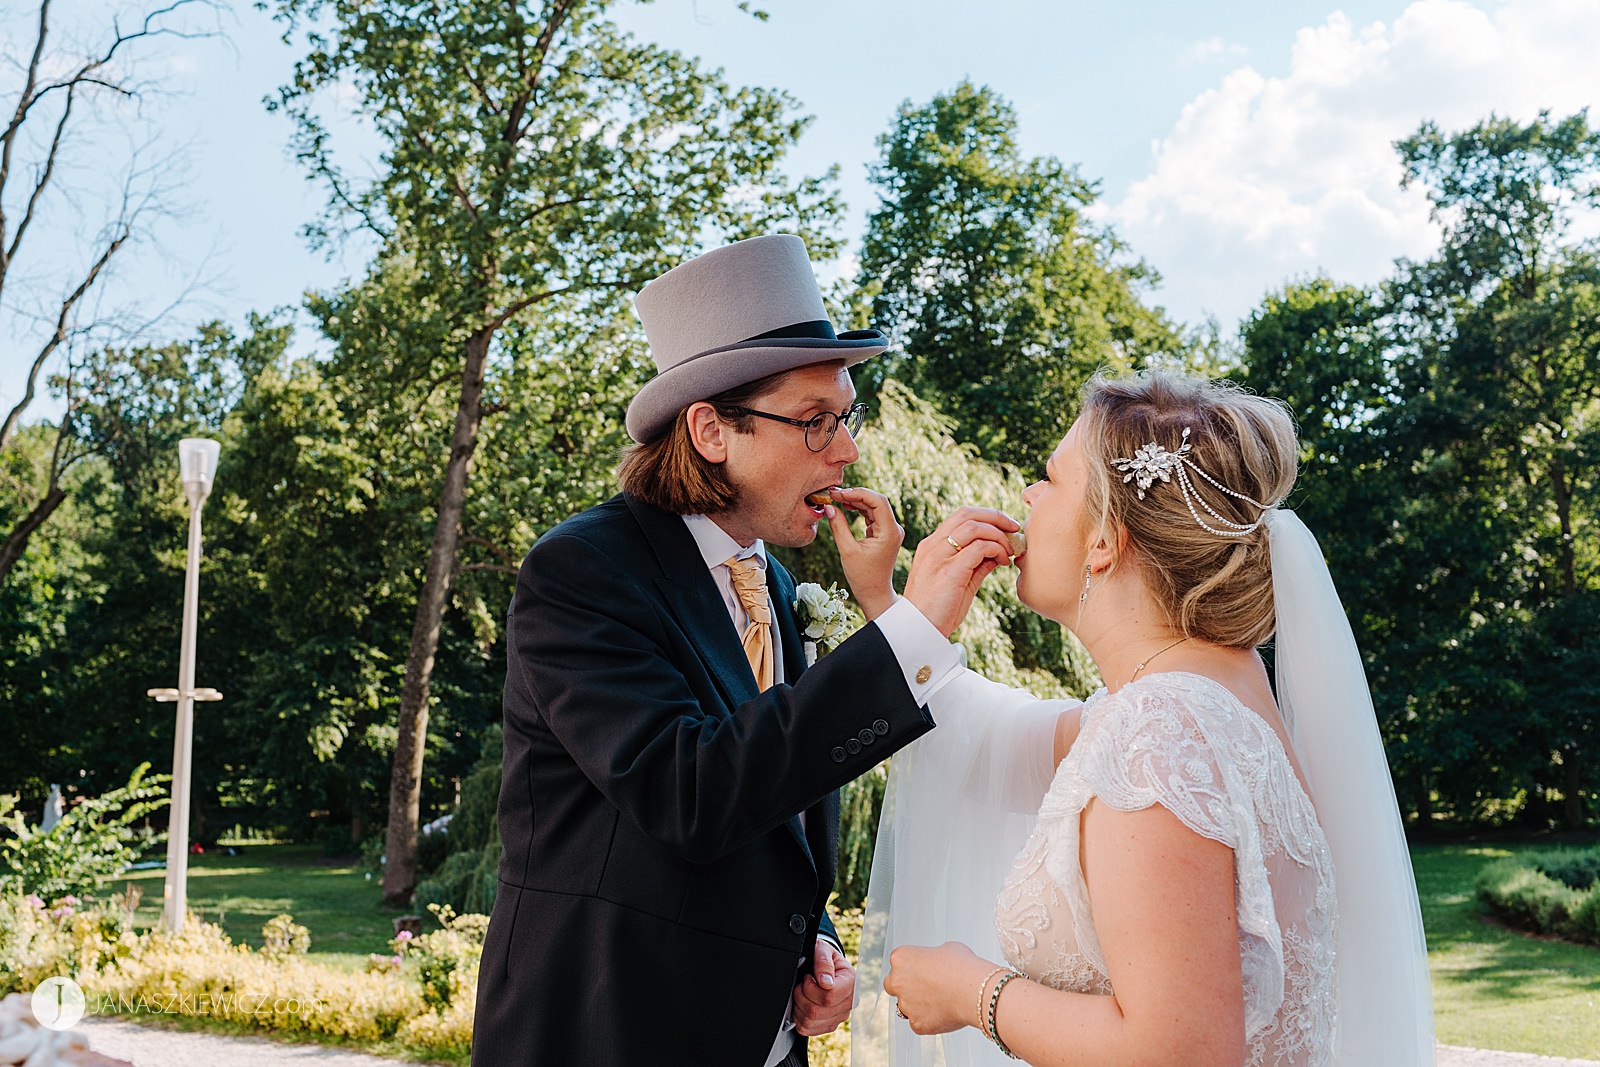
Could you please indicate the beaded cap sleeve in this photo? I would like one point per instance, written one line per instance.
(1186, 743)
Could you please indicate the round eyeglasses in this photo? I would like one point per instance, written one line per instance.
(819, 428)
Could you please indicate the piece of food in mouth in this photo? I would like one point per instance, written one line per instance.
(1018, 541)
(822, 497)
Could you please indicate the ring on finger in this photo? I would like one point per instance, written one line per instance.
(957, 545)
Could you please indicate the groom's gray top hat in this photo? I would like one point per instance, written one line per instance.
(731, 316)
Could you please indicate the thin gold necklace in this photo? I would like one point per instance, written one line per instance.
(1148, 659)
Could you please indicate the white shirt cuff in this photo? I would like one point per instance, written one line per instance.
(926, 657)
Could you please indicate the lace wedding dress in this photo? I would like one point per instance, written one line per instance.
(976, 812)
(1184, 742)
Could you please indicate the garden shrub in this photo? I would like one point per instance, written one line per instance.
(425, 1005)
(1586, 918)
(474, 824)
(282, 936)
(1579, 869)
(1554, 892)
(860, 803)
(433, 847)
(40, 939)
(445, 957)
(466, 879)
(95, 840)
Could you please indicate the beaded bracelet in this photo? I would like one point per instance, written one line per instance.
(983, 987)
(994, 1000)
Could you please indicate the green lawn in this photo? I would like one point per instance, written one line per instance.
(1493, 987)
(332, 898)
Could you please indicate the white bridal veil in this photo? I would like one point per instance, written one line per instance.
(961, 803)
(1381, 957)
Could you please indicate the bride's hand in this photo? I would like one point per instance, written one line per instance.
(869, 561)
(954, 560)
(935, 988)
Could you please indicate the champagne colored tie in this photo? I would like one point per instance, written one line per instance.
(750, 583)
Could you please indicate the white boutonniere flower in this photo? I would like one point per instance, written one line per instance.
(824, 619)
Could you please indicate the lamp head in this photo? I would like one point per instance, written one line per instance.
(197, 459)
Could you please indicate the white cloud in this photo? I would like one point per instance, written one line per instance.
(1262, 179)
(1211, 50)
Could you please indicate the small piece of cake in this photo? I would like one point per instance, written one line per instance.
(822, 497)
(1019, 543)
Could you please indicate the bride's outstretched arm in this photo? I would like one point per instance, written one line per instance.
(997, 745)
(1164, 914)
(955, 815)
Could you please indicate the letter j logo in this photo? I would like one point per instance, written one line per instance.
(58, 1003)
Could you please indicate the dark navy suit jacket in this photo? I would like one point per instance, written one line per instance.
(657, 889)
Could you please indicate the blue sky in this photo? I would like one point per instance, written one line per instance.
(1237, 145)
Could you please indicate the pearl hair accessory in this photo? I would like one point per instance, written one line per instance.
(1152, 462)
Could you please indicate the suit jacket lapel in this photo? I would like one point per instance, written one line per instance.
(689, 591)
(780, 586)
(686, 585)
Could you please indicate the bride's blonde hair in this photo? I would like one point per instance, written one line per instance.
(1214, 586)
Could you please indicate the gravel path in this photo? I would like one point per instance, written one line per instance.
(156, 1046)
(159, 1046)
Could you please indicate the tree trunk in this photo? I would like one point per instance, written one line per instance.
(405, 780)
(1561, 490)
(1571, 788)
(1424, 798)
(357, 748)
(16, 543)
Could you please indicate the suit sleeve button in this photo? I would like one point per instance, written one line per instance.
(880, 727)
(852, 746)
(838, 754)
(867, 737)
(797, 924)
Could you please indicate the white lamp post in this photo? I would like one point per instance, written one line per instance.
(197, 458)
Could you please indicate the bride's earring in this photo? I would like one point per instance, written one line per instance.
(1083, 597)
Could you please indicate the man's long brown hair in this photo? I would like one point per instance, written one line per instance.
(669, 473)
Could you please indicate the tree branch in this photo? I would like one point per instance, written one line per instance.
(498, 568)
(39, 186)
(515, 308)
(59, 334)
(541, 51)
(509, 563)
(16, 542)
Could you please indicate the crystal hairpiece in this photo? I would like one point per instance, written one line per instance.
(1152, 462)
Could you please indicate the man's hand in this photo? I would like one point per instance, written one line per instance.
(868, 562)
(823, 998)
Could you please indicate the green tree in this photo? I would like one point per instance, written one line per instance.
(534, 157)
(314, 598)
(1522, 299)
(986, 270)
(103, 581)
(1448, 421)
(1511, 356)
(1326, 350)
